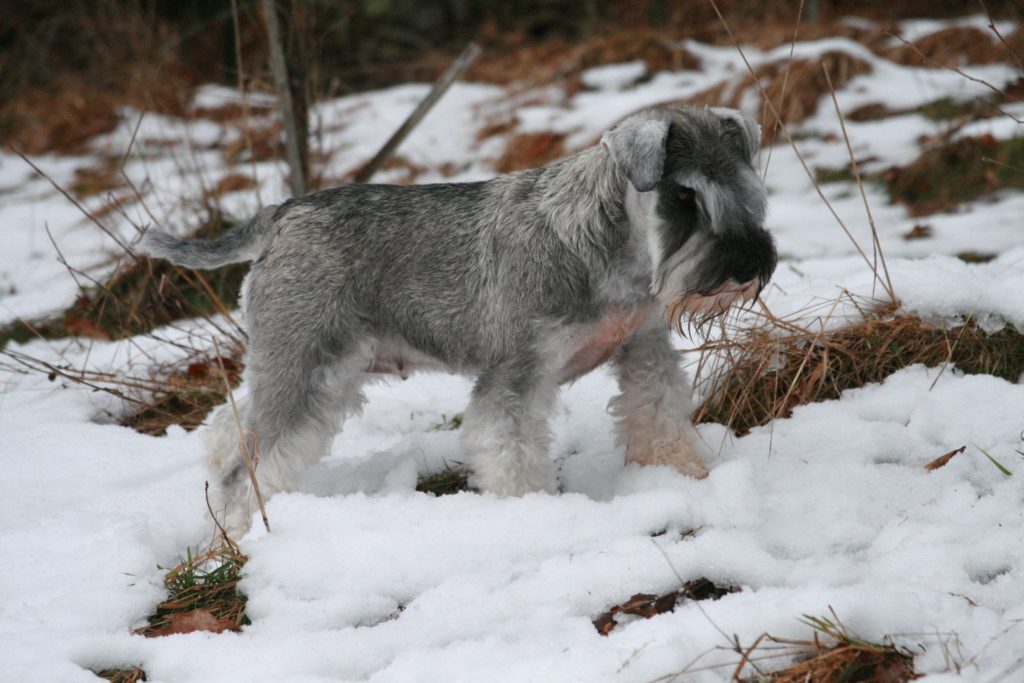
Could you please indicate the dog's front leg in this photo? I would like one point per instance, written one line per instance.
(505, 433)
(655, 403)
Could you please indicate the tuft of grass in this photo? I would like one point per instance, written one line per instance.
(846, 659)
(999, 466)
(148, 293)
(452, 479)
(773, 368)
(957, 171)
(448, 424)
(204, 583)
(132, 675)
(183, 397)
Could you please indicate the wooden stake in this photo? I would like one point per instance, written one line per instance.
(463, 62)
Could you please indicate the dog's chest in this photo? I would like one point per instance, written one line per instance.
(590, 345)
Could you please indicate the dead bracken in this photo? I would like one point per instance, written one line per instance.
(772, 369)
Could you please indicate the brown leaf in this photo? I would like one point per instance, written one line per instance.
(943, 459)
(195, 620)
(80, 326)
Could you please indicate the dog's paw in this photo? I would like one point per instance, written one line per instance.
(687, 453)
(508, 477)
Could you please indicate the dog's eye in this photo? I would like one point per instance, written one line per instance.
(686, 195)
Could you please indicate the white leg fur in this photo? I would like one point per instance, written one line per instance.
(655, 405)
(277, 463)
(506, 440)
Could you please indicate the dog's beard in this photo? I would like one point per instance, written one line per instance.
(696, 283)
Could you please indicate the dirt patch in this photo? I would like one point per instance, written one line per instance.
(957, 171)
(769, 374)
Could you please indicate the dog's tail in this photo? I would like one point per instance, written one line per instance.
(244, 243)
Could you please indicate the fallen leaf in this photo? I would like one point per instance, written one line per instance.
(943, 459)
(195, 620)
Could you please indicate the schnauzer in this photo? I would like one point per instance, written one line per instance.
(525, 282)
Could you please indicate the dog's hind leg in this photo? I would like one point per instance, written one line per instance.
(297, 401)
(505, 431)
(654, 407)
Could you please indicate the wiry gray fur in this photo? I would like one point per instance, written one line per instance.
(525, 281)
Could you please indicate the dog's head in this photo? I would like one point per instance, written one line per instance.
(701, 203)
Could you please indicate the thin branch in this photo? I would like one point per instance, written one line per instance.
(789, 139)
(973, 79)
(74, 201)
(461, 63)
(1006, 46)
(243, 440)
(860, 185)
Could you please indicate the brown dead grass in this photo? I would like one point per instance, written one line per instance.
(952, 172)
(952, 46)
(530, 150)
(773, 368)
(132, 675)
(203, 595)
(844, 662)
(104, 177)
(796, 96)
(184, 397)
(146, 293)
(516, 59)
(232, 182)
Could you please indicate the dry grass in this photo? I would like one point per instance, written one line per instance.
(203, 594)
(132, 675)
(841, 658)
(530, 150)
(952, 46)
(516, 59)
(957, 171)
(144, 293)
(772, 368)
(795, 88)
(452, 479)
(182, 397)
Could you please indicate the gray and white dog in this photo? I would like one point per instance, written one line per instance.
(526, 282)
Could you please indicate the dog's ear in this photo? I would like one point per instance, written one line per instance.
(637, 146)
(749, 130)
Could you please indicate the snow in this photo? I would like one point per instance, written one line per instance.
(363, 578)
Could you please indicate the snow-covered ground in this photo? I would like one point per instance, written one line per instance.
(363, 578)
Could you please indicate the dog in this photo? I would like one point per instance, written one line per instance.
(526, 282)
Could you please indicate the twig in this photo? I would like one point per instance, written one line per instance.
(992, 25)
(246, 112)
(785, 80)
(863, 195)
(463, 62)
(74, 201)
(974, 79)
(243, 441)
(789, 138)
(297, 181)
(223, 532)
